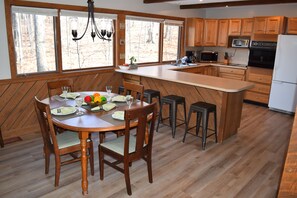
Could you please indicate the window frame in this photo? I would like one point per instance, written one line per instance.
(118, 36)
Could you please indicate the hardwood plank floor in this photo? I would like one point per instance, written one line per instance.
(246, 165)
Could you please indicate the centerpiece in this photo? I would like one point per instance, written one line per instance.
(95, 100)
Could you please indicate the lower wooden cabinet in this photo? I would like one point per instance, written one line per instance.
(292, 25)
(232, 73)
(262, 79)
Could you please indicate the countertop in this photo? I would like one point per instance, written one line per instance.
(166, 72)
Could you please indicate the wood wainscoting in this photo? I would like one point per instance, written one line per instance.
(17, 114)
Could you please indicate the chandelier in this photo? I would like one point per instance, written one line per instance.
(102, 34)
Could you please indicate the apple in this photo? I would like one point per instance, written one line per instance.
(88, 99)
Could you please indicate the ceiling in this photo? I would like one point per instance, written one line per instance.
(196, 4)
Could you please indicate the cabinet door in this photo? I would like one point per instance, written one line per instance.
(235, 27)
(273, 25)
(260, 25)
(210, 33)
(223, 35)
(292, 25)
(247, 27)
(198, 32)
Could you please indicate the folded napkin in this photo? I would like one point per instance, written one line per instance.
(108, 106)
(119, 115)
(72, 95)
(84, 103)
(119, 98)
(96, 108)
(63, 110)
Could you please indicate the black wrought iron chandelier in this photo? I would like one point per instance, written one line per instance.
(102, 34)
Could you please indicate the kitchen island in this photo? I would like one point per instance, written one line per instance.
(226, 94)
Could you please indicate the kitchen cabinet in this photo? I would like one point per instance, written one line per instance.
(292, 25)
(262, 79)
(232, 73)
(223, 34)
(194, 31)
(210, 33)
(247, 26)
(235, 27)
(210, 70)
(269, 25)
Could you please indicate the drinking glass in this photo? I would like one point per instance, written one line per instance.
(65, 90)
(79, 102)
(109, 90)
(129, 100)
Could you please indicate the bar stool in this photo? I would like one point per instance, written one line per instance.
(173, 101)
(203, 110)
(149, 94)
(121, 89)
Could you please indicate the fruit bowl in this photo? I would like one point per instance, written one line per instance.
(95, 104)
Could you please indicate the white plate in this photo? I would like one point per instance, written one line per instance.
(71, 95)
(64, 111)
(124, 67)
(119, 99)
(118, 115)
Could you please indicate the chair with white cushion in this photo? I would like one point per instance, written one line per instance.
(128, 148)
(59, 143)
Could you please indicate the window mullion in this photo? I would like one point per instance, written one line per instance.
(58, 44)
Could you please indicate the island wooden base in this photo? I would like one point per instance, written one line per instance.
(229, 104)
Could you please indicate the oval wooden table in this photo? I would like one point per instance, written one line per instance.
(89, 122)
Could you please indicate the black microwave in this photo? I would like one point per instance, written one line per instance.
(208, 56)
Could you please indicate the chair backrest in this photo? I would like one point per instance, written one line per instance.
(136, 90)
(46, 125)
(54, 87)
(146, 117)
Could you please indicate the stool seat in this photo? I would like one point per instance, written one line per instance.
(173, 101)
(203, 110)
(150, 94)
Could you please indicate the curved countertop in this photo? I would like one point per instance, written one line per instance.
(166, 72)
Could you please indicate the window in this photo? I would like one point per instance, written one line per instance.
(171, 41)
(85, 53)
(142, 39)
(34, 39)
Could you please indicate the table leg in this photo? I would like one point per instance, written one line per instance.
(84, 161)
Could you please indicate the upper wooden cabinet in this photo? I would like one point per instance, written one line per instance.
(292, 25)
(223, 34)
(269, 25)
(235, 27)
(247, 26)
(210, 33)
(194, 32)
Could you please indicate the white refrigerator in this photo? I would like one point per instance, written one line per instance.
(283, 94)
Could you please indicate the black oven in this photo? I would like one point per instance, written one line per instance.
(262, 54)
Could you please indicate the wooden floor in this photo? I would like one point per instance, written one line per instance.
(246, 165)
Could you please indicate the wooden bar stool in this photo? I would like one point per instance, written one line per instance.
(203, 110)
(149, 94)
(173, 101)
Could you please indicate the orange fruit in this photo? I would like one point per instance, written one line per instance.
(96, 94)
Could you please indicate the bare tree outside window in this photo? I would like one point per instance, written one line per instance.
(171, 42)
(142, 40)
(34, 43)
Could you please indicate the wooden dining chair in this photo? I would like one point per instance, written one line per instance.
(54, 87)
(135, 90)
(59, 144)
(1, 139)
(128, 148)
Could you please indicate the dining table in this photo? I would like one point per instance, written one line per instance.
(91, 121)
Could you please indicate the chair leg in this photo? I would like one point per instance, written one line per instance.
(149, 167)
(173, 119)
(204, 133)
(101, 137)
(215, 125)
(101, 163)
(127, 177)
(198, 121)
(1, 139)
(47, 157)
(57, 170)
(91, 158)
(160, 117)
(187, 124)
(185, 112)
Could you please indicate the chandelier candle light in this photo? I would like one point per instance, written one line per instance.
(103, 34)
